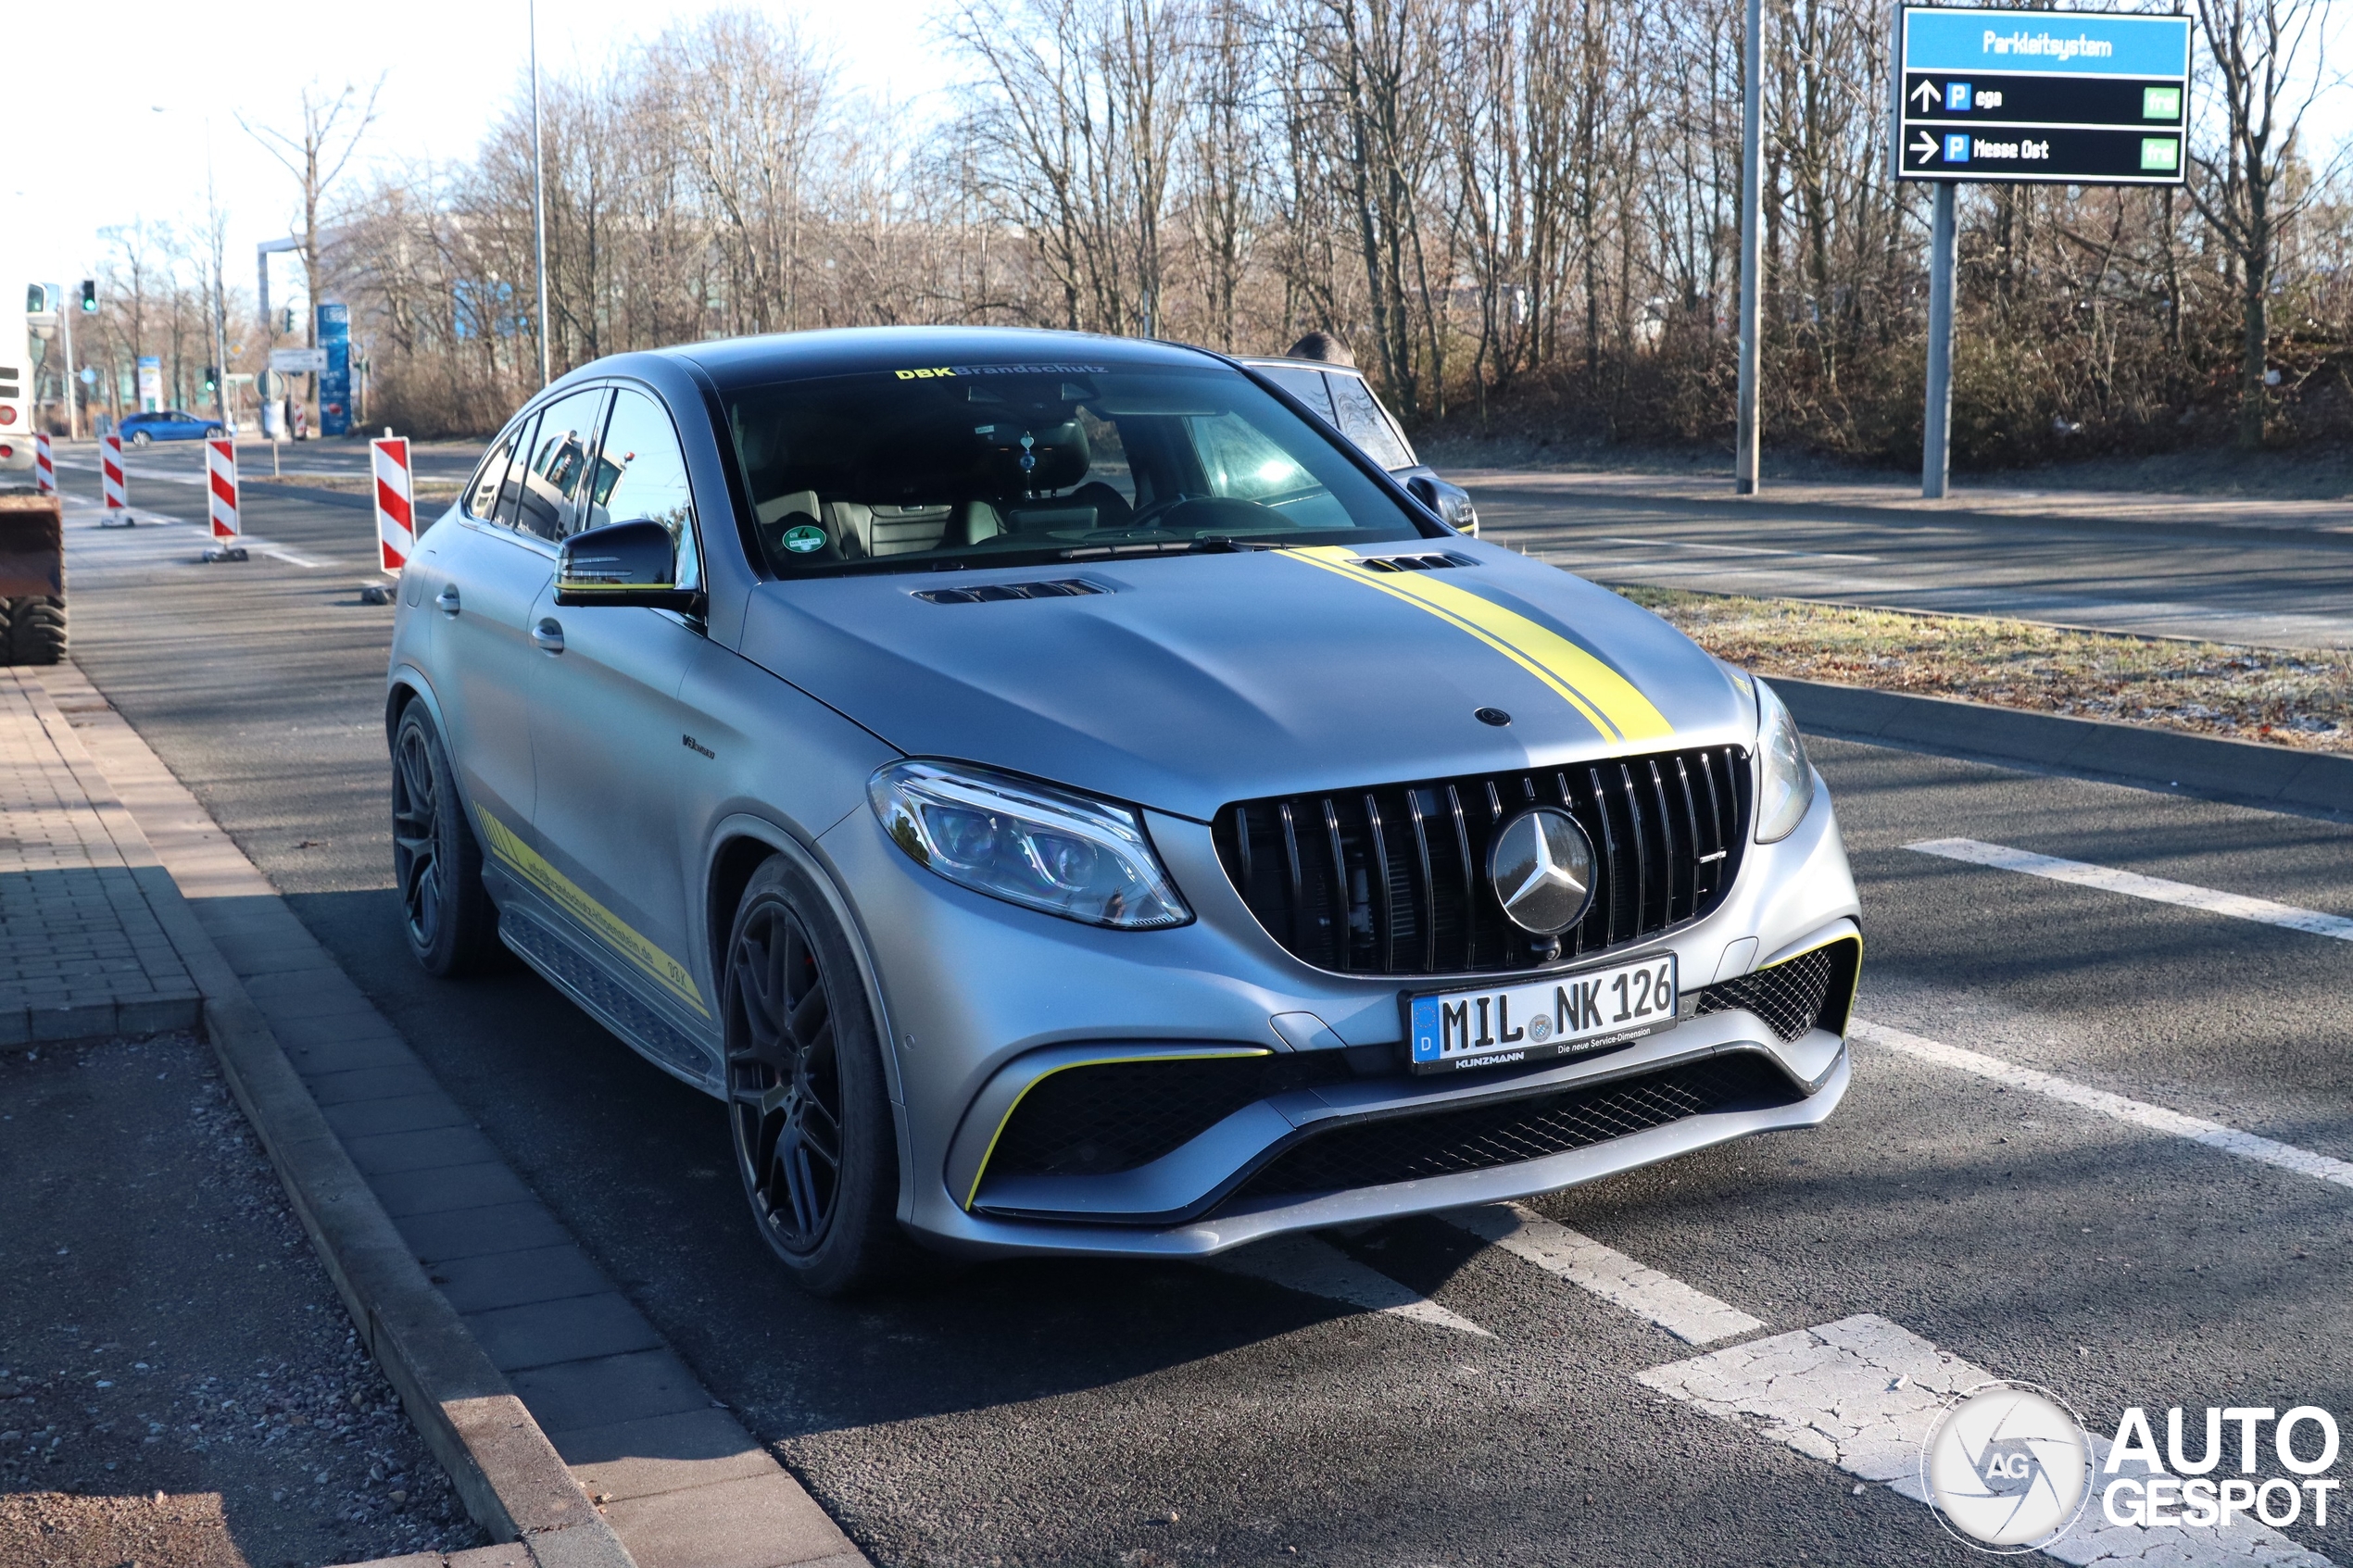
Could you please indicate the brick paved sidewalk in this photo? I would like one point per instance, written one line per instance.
(81, 954)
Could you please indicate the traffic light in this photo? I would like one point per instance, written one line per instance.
(88, 296)
(286, 320)
(212, 377)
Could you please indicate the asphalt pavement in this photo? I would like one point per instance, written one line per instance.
(1412, 1395)
(2267, 584)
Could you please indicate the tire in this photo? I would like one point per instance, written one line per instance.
(213, 433)
(808, 1108)
(447, 913)
(33, 630)
(141, 438)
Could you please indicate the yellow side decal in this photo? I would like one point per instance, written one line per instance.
(1610, 702)
(527, 863)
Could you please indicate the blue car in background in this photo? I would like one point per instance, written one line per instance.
(167, 425)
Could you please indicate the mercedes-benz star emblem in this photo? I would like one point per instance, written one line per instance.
(1541, 865)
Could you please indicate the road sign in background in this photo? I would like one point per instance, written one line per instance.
(2066, 97)
(298, 361)
(334, 380)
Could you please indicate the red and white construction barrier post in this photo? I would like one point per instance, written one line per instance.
(396, 513)
(45, 466)
(110, 470)
(221, 486)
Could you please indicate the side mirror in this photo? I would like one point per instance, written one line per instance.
(628, 563)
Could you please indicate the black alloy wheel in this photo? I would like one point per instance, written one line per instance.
(451, 924)
(806, 1099)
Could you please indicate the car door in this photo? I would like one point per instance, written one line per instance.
(608, 735)
(482, 653)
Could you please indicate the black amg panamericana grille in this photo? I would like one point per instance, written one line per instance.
(1791, 996)
(1404, 1148)
(1114, 1116)
(1393, 880)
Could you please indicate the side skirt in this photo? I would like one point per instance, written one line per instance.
(591, 985)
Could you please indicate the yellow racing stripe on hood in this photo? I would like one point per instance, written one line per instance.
(1607, 699)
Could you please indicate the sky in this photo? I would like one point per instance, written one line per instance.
(174, 84)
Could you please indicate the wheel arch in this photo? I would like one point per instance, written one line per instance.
(741, 844)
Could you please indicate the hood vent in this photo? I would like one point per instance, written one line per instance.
(1416, 563)
(1058, 588)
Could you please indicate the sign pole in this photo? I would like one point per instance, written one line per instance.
(1936, 428)
(1745, 460)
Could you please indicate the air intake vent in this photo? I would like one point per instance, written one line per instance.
(1810, 991)
(1415, 564)
(1058, 588)
(1392, 879)
(1481, 1138)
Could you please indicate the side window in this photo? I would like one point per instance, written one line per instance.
(510, 482)
(641, 474)
(1302, 384)
(1362, 421)
(549, 485)
(482, 497)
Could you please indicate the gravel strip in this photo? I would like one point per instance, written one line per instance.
(178, 1383)
(2291, 698)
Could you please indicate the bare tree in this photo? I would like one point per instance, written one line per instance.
(2247, 189)
(317, 156)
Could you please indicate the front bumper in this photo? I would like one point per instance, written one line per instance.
(985, 1001)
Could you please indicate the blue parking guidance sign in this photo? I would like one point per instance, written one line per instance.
(2051, 97)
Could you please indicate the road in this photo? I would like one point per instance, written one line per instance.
(1415, 1396)
(2277, 586)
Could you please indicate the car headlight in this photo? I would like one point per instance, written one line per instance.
(1028, 844)
(1784, 779)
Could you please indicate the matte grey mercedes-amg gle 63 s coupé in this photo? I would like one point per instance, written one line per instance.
(1062, 798)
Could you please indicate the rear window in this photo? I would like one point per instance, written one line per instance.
(939, 466)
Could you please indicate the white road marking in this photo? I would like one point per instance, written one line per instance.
(2133, 1112)
(1317, 1268)
(278, 552)
(1863, 1394)
(2132, 884)
(1693, 1316)
(1724, 549)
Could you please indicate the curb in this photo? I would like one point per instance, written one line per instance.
(2236, 772)
(512, 1481)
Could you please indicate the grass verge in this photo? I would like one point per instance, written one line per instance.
(2284, 697)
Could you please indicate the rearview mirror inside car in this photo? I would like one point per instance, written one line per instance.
(627, 563)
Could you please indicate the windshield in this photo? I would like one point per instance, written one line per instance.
(992, 465)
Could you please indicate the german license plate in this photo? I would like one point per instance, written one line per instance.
(1499, 1025)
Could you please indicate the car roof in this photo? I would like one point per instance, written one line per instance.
(1270, 361)
(792, 356)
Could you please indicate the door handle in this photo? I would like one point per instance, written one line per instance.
(448, 599)
(548, 634)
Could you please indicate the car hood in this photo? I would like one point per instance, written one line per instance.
(1188, 682)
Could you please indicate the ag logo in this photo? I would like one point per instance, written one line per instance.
(805, 538)
(2007, 1468)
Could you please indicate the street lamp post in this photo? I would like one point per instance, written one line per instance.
(538, 194)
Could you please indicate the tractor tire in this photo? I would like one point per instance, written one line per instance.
(34, 630)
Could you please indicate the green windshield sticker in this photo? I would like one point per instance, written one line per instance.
(805, 538)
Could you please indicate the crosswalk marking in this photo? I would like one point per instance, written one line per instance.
(2154, 888)
(1693, 1316)
(1864, 1393)
(2154, 1118)
(1317, 1268)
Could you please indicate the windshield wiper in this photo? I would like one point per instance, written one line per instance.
(1213, 545)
